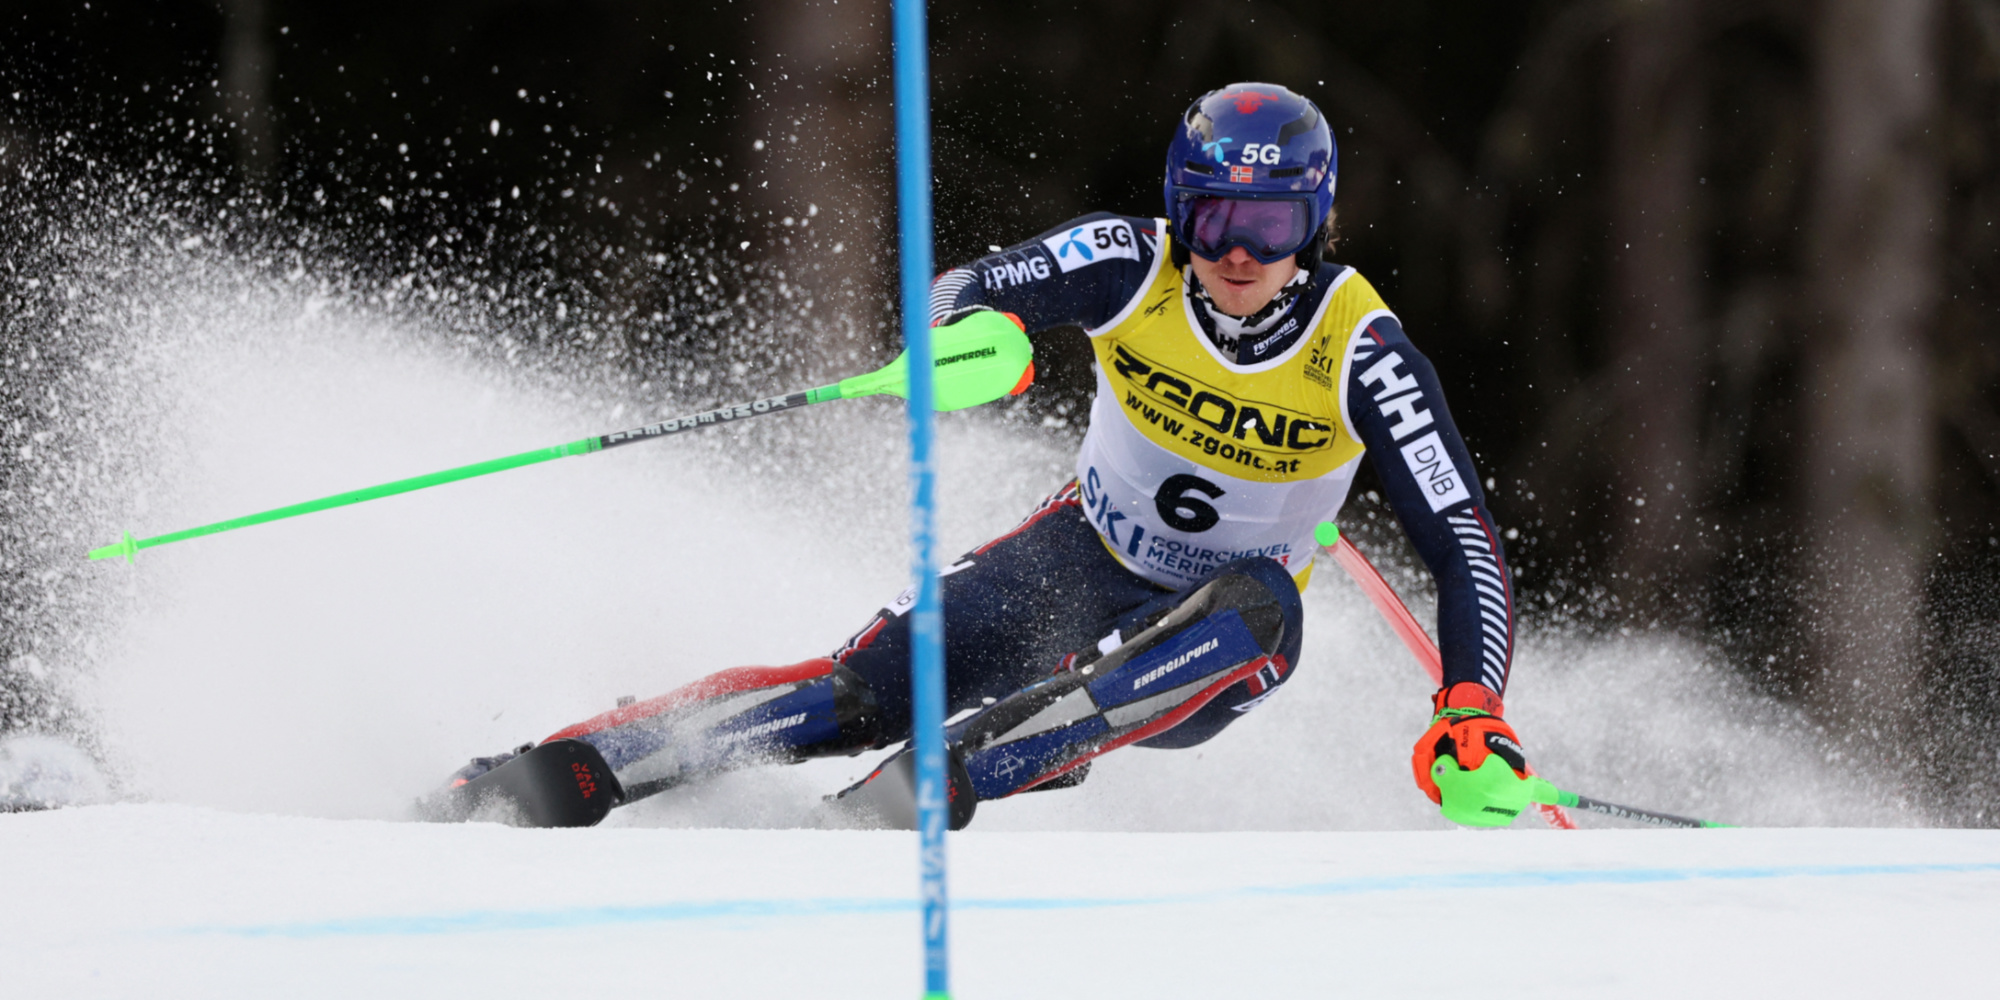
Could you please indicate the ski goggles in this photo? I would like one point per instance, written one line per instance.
(1269, 229)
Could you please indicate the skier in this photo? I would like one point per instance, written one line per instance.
(1154, 599)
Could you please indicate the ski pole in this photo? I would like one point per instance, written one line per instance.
(1384, 597)
(1405, 625)
(977, 360)
(1491, 795)
(1587, 804)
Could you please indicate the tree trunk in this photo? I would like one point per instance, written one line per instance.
(1659, 341)
(247, 68)
(1873, 246)
(827, 126)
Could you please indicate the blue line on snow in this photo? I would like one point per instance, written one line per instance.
(520, 920)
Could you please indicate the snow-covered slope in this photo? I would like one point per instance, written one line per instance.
(126, 901)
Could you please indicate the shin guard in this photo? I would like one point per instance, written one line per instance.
(1223, 634)
(1044, 735)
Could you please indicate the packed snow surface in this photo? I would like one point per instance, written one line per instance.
(169, 900)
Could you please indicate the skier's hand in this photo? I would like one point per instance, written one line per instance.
(964, 312)
(1466, 726)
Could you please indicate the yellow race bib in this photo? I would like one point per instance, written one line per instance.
(1192, 459)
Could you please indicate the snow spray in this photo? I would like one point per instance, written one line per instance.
(342, 664)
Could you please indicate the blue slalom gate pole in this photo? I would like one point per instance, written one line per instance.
(913, 203)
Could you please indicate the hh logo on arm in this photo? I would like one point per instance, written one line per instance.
(1398, 397)
(1092, 243)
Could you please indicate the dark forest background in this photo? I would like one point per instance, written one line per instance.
(1714, 286)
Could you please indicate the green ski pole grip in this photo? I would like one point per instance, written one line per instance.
(1490, 796)
(978, 359)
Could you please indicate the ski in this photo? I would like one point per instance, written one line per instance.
(560, 783)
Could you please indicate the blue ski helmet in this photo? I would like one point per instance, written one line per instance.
(1252, 165)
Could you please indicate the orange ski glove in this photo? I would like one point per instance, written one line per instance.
(1465, 726)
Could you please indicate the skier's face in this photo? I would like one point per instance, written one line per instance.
(1239, 284)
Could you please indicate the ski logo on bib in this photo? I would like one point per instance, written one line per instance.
(1093, 243)
(1207, 421)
